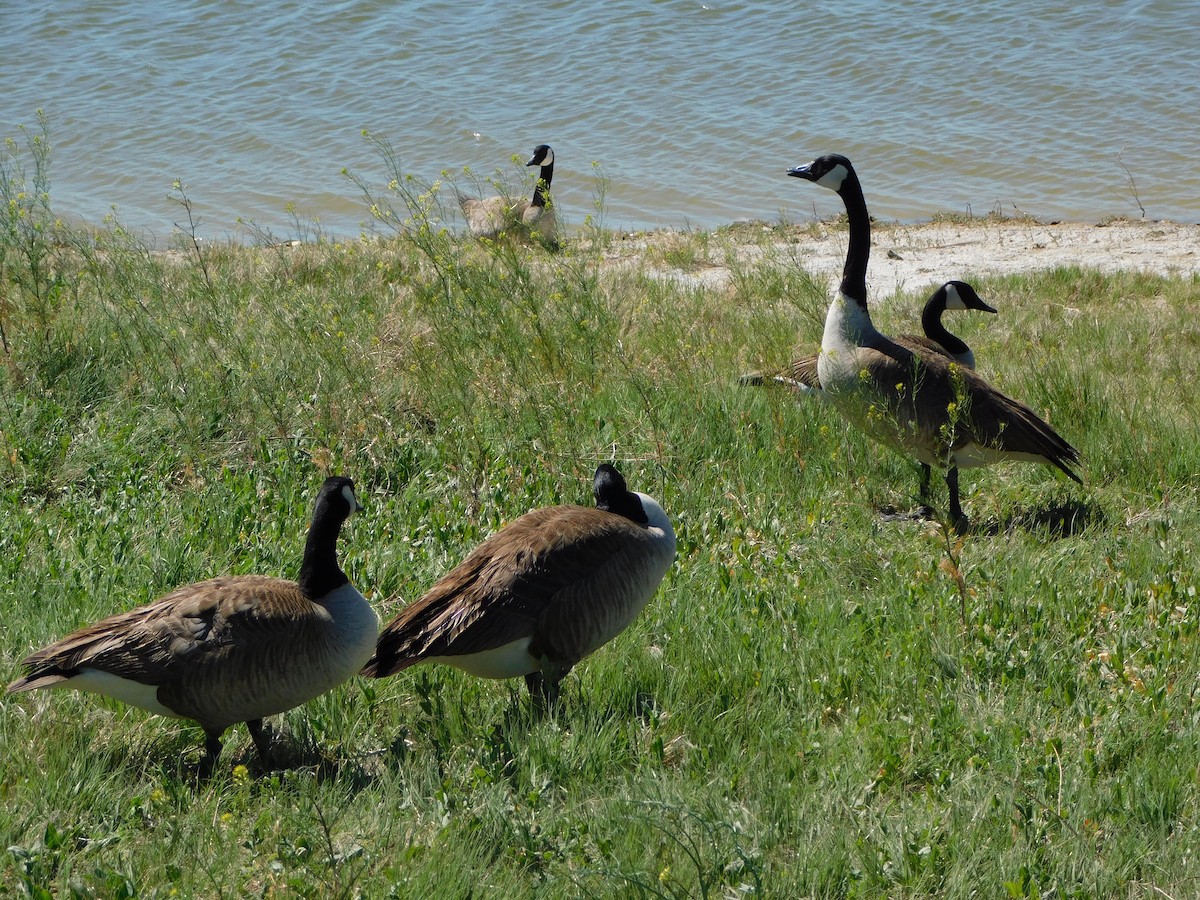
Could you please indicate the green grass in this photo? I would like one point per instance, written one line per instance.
(815, 704)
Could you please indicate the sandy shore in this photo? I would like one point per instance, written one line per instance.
(913, 257)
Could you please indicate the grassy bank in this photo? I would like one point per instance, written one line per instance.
(816, 703)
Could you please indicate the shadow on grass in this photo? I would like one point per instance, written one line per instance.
(1057, 519)
(182, 759)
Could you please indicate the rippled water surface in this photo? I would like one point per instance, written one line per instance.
(693, 110)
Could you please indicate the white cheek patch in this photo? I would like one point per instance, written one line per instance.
(953, 299)
(549, 160)
(833, 178)
(351, 500)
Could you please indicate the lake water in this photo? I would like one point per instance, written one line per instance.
(693, 110)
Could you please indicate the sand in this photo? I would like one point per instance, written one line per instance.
(917, 257)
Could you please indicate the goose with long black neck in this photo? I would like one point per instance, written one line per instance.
(231, 649)
(802, 379)
(491, 216)
(937, 338)
(914, 400)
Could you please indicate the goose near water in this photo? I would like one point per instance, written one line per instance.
(919, 402)
(231, 649)
(489, 216)
(540, 594)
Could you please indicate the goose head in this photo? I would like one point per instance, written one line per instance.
(830, 171)
(834, 172)
(542, 156)
(336, 501)
(960, 295)
(612, 495)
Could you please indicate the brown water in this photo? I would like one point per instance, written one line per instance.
(693, 110)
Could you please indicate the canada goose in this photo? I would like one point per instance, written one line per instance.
(801, 374)
(492, 215)
(230, 649)
(540, 594)
(918, 402)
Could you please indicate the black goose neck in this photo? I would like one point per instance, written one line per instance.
(628, 505)
(541, 192)
(858, 250)
(613, 496)
(320, 573)
(931, 322)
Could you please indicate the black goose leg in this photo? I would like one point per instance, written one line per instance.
(925, 511)
(537, 693)
(543, 691)
(922, 512)
(261, 740)
(212, 749)
(533, 681)
(958, 519)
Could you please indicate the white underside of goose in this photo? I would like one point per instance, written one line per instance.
(506, 661)
(973, 456)
(95, 681)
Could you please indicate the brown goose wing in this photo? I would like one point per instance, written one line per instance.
(802, 371)
(165, 640)
(528, 573)
(921, 388)
(488, 216)
(589, 611)
(922, 345)
(997, 421)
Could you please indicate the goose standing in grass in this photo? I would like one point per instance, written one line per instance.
(919, 402)
(231, 649)
(540, 594)
(491, 215)
(801, 375)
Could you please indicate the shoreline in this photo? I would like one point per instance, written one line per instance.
(911, 257)
(906, 257)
